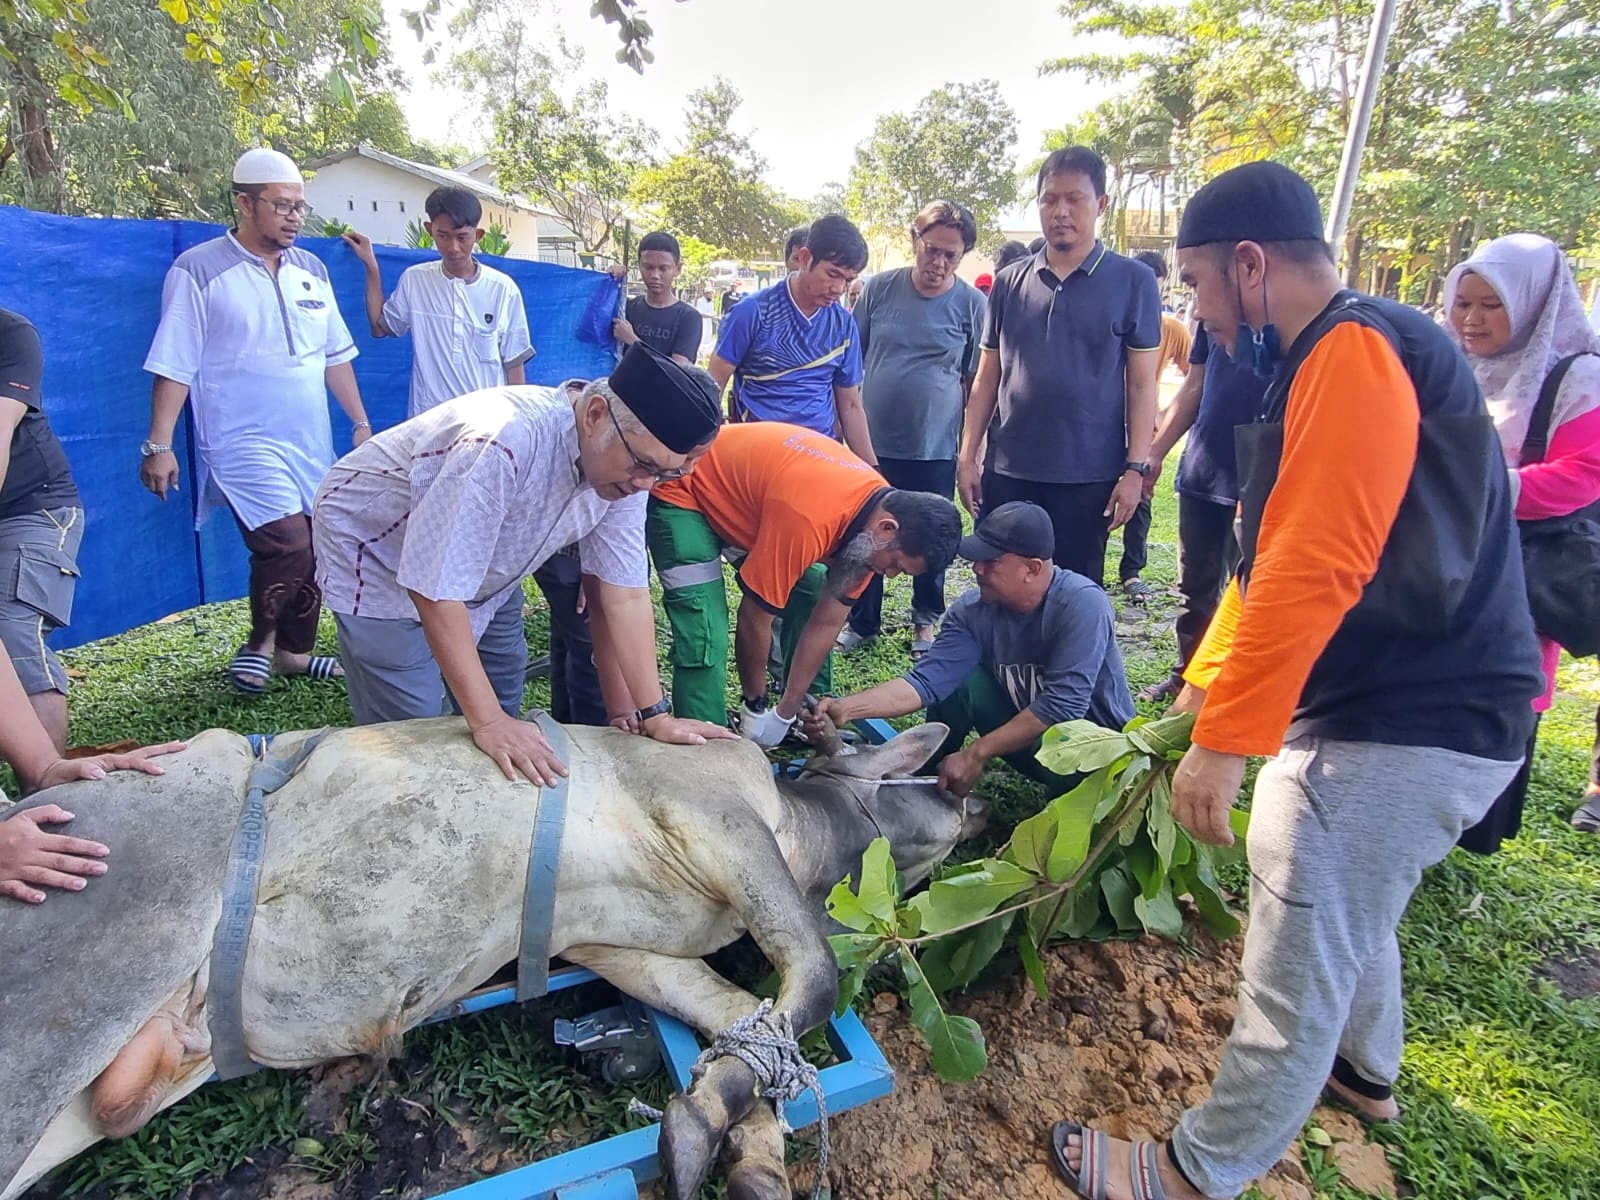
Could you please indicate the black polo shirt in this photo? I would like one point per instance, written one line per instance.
(1063, 346)
(37, 476)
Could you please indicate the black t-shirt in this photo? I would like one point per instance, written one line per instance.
(38, 476)
(671, 330)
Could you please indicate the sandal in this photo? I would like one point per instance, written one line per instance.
(1587, 818)
(1089, 1181)
(1158, 693)
(1137, 590)
(1345, 1075)
(323, 666)
(249, 673)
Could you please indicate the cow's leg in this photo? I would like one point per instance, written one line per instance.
(156, 1059)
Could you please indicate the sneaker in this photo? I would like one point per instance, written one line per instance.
(849, 639)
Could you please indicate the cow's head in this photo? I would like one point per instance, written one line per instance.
(922, 821)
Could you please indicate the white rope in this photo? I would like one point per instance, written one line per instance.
(766, 1044)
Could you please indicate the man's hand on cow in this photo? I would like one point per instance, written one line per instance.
(1124, 498)
(765, 728)
(518, 748)
(69, 770)
(959, 772)
(1204, 787)
(31, 859)
(680, 731)
(159, 473)
(828, 713)
(627, 722)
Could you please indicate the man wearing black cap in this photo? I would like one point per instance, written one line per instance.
(1031, 646)
(1376, 643)
(426, 531)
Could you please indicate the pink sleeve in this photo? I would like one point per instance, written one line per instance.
(1569, 477)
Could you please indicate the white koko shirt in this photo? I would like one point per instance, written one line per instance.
(463, 501)
(463, 334)
(252, 348)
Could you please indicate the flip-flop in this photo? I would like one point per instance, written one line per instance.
(1143, 1172)
(1089, 1180)
(919, 647)
(249, 673)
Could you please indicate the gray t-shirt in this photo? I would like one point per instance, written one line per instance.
(1060, 660)
(917, 350)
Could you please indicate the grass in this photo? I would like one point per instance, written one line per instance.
(1501, 1084)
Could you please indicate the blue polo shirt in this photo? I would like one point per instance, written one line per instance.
(1230, 396)
(785, 364)
(1064, 346)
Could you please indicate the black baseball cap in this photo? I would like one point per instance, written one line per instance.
(1014, 528)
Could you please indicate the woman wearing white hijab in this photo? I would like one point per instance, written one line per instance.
(1515, 310)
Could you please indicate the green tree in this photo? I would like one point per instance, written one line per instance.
(712, 188)
(955, 145)
(563, 147)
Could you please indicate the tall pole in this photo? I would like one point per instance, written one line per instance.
(1344, 191)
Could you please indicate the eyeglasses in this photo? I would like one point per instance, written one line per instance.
(285, 208)
(643, 468)
(937, 255)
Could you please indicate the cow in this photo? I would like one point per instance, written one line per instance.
(392, 883)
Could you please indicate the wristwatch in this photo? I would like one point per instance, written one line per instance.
(1141, 468)
(758, 705)
(659, 708)
(146, 449)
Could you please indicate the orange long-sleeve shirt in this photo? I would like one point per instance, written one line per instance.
(1350, 436)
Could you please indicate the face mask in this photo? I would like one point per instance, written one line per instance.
(1258, 350)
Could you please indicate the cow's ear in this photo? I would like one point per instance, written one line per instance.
(900, 755)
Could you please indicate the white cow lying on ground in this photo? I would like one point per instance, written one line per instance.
(392, 883)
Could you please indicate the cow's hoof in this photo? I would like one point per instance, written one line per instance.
(687, 1147)
(753, 1154)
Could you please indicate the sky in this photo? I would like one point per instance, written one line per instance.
(814, 74)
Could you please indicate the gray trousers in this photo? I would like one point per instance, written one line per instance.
(390, 673)
(1340, 833)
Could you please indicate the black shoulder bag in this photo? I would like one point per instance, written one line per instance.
(1561, 555)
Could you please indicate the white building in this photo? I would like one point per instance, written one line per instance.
(380, 194)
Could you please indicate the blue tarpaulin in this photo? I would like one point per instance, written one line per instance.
(93, 288)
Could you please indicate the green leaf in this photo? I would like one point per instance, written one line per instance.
(878, 892)
(844, 908)
(1074, 825)
(1200, 883)
(852, 949)
(970, 895)
(1165, 738)
(1160, 914)
(1141, 859)
(955, 961)
(849, 988)
(1034, 966)
(1239, 822)
(1158, 819)
(1031, 840)
(1075, 746)
(342, 89)
(958, 1050)
(1118, 889)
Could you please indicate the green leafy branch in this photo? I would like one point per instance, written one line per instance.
(1103, 859)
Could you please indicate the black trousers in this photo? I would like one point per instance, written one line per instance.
(1135, 543)
(1503, 821)
(1077, 510)
(285, 600)
(927, 589)
(1208, 555)
(575, 697)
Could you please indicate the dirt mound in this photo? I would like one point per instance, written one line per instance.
(1129, 1038)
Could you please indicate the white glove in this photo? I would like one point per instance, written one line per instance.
(766, 729)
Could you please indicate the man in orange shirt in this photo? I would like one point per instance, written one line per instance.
(784, 500)
(1376, 644)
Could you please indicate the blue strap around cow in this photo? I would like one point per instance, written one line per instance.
(274, 767)
(544, 863)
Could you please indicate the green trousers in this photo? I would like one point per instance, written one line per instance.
(688, 559)
(981, 705)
